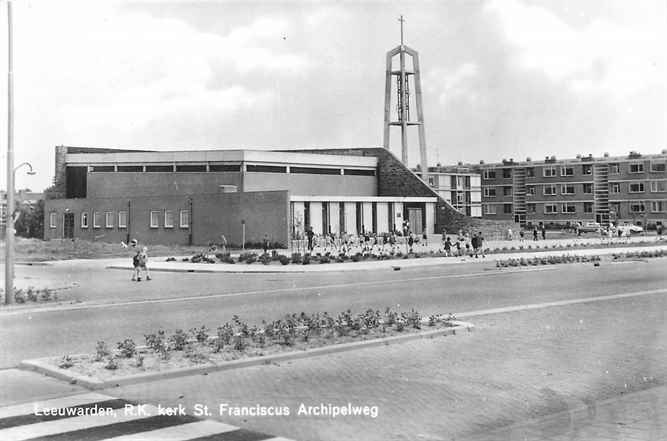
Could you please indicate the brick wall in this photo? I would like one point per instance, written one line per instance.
(212, 215)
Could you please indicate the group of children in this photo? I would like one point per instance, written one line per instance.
(473, 246)
(139, 261)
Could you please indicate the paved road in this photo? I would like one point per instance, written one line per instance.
(187, 300)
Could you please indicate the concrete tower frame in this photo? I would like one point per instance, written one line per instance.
(403, 102)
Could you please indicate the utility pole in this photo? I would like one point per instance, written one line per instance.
(9, 223)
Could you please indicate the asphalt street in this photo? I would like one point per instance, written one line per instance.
(112, 307)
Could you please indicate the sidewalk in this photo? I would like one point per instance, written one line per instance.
(159, 264)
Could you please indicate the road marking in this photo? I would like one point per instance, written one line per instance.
(86, 306)
(557, 303)
(66, 418)
(176, 433)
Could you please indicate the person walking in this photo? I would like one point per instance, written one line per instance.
(448, 247)
(475, 245)
(535, 233)
(544, 232)
(521, 236)
(141, 264)
(309, 235)
(265, 243)
(509, 234)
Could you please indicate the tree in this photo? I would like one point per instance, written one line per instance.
(31, 220)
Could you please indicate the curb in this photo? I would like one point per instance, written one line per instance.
(377, 264)
(42, 365)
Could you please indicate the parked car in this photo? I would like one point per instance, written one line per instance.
(630, 229)
(589, 227)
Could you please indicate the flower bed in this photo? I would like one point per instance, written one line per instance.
(377, 252)
(33, 295)
(632, 255)
(546, 260)
(237, 340)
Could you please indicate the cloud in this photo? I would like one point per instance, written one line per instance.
(603, 55)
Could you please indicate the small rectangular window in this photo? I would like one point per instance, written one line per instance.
(489, 209)
(615, 168)
(489, 192)
(637, 167)
(53, 220)
(616, 187)
(102, 168)
(658, 186)
(657, 167)
(266, 168)
(637, 207)
(507, 208)
(550, 208)
(549, 172)
(569, 208)
(359, 172)
(636, 187)
(567, 171)
(567, 189)
(530, 172)
(224, 167)
(122, 219)
(588, 188)
(184, 219)
(84, 219)
(159, 168)
(314, 171)
(550, 190)
(657, 206)
(587, 169)
(97, 219)
(154, 219)
(588, 207)
(108, 219)
(130, 168)
(530, 190)
(190, 168)
(507, 173)
(489, 174)
(168, 219)
(507, 191)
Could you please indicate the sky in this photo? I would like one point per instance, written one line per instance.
(501, 78)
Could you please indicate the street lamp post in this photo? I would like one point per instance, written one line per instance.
(9, 223)
(9, 228)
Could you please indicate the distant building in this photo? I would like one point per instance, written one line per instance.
(459, 185)
(622, 189)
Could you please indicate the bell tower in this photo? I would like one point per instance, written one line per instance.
(407, 78)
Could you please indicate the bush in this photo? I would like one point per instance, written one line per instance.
(66, 362)
(178, 340)
(225, 258)
(127, 348)
(296, 258)
(112, 364)
(200, 334)
(306, 259)
(265, 259)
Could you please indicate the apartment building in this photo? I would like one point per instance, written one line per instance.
(623, 189)
(459, 185)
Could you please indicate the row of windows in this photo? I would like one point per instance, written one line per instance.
(112, 219)
(570, 208)
(586, 169)
(251, 168)
(168, 218)
(587, 188)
